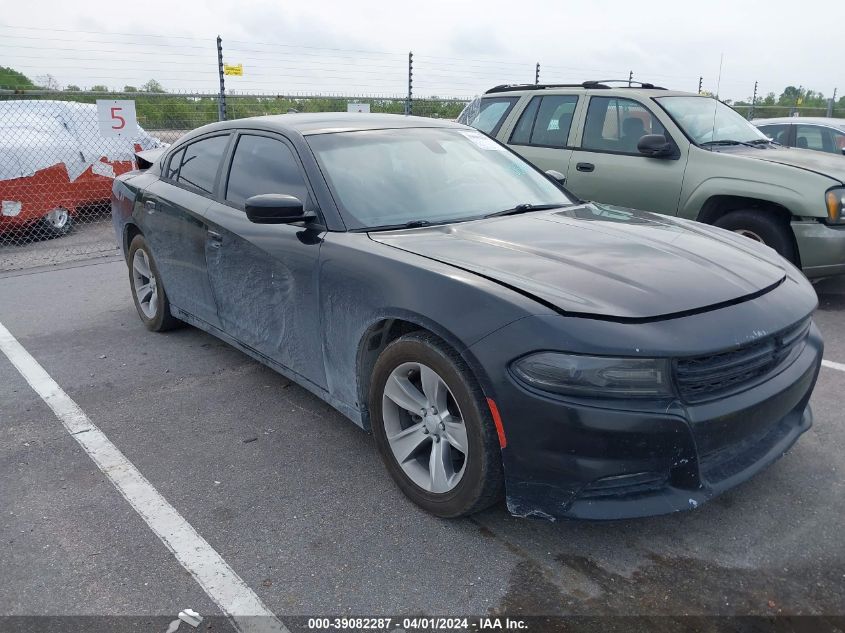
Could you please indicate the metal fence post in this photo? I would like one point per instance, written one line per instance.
(221, 97)
(537, 74)
(830, 104)
(630, 77)
(753, 102)
(700, 81)
(408, 102)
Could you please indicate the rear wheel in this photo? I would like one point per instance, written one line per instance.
(147, 289)
(57, 222)
(433, 428)
(760, 226)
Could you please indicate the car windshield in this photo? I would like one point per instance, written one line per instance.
(708, 120)
(426, 175)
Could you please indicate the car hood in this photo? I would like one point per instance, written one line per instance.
(603, 261)
(822, 163)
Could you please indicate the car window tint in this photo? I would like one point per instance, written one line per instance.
(554, 118)
(818, 138)
(492, 113)
(264, 165)
(173, 166)
(200, 162)
(778, 133)
(522, 132)
(617, 125)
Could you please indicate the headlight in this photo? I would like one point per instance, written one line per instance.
(835, 202)
(577, 375)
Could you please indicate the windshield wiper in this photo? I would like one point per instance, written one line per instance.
(763, 141)
(524, 208)
(726, 142)
(413, 224)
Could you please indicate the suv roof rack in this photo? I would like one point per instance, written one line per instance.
(601, 84)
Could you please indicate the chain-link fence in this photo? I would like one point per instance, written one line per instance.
(57, 167)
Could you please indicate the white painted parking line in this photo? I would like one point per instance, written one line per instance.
(244, 608)
(832, 365)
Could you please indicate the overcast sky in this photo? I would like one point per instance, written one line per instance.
(460, 48)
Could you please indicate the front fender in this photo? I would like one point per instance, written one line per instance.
(364, 284)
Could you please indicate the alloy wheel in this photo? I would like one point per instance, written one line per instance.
(424, 427)
(144, 283)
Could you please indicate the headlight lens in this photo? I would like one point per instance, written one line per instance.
(835, 202)
(593, 376)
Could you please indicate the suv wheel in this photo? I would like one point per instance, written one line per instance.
(772, 231)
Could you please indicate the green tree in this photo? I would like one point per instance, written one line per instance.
(72, 88)
(99, 88)
(130, 89)
(12, 79)
(152, 86)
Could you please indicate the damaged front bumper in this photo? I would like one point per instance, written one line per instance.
(598, 460)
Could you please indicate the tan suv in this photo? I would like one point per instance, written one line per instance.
(676, 153)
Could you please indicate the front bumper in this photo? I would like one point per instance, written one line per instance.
(602, 460)
(821, 248)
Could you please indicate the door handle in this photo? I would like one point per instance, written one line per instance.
(585, 167)
(150, 206)
(215, 238)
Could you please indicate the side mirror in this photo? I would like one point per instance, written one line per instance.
(275, 208)
(655, 146)
(556, 176)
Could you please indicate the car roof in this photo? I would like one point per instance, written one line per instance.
(329, 122)
(818, 120)
(590, 87)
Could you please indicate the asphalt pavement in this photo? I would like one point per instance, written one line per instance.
(297, 502)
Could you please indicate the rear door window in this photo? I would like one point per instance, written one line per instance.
(819, 138)
(546, 121)
(198, 164)
(617, 125)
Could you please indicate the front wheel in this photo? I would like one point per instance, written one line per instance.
(57, 223)
(433, 428)
(761, 226)
(147, 289)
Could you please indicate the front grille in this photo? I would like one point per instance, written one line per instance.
(702, 377)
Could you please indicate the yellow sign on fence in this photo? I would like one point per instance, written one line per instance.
(231, 69)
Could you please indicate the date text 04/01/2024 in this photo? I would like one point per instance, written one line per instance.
(417, 624)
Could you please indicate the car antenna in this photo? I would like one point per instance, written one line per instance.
(718, 87)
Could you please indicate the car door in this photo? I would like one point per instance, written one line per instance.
(543, 132)
(264, 276)
(607, 167)
(174, 224)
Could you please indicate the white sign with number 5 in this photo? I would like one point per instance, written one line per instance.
(116, 118)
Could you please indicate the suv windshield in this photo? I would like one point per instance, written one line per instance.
(426, 175)
(708, 120)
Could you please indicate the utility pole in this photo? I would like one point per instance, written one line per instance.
(630, 77)
(537, 74)
(753, 102)
(408, 104)
(221, 97)
(830, 104)
(700, 80)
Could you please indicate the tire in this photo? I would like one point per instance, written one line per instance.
(152, 305)
(761, 226)
(469, 481)
(56, 223)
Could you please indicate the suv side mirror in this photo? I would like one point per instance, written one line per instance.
(275, 208)
(655, 146)
(558, 177)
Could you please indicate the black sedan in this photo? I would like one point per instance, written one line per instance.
(499, 337)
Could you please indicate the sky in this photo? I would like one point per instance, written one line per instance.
(360, 47)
